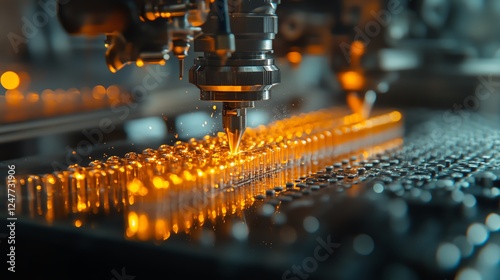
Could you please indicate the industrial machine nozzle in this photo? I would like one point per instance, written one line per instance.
(237, 78)
(234, 36)
(140, 31)
(234, 121)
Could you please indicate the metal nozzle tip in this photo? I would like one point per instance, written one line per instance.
(234, 140)
(234, 121)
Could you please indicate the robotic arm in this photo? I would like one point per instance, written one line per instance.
(235, 37)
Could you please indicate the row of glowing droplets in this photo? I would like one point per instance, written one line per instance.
(19, 105)
(175, 187)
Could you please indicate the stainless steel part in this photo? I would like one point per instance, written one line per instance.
(141, 31)
(184, 19)
(249, 73)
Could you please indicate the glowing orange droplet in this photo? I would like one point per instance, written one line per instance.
(352, 80)
(134, 186)
(51, 180)
(98, 92)
(357, 48)
(113, 92)
(10, 80)
(294, 57)
(396, 116)
(159, 183)
(13, 96)
(33, 97)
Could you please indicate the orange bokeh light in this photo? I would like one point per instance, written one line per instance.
(10, 80)
(294, 57)
(352, 80)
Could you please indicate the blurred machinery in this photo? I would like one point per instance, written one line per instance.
(90, 88)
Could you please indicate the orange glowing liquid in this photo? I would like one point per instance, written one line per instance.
(173, 188)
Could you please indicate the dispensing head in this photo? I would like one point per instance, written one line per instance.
(236, 67)
(237, 78)
(140, 31)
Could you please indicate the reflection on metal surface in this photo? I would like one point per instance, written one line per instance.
(175, 188)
